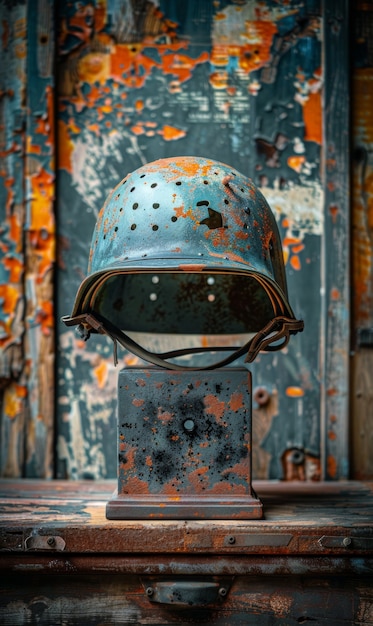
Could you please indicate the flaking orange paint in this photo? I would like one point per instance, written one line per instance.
(101, 373)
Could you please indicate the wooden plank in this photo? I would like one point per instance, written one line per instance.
(335, 262)
(362, 243)
(310, 521)
(28, 245)
(121, 599)
(13, 390)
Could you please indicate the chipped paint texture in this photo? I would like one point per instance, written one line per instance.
(241, 83)
(27, 238)
(362, 243)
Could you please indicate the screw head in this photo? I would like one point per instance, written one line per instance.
(231, 539)
(51, 541)
(149, 592)
(222, 592)
(347, 541)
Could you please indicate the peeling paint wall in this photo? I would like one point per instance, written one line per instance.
(243, 82)
(237, 82)
(27, 176)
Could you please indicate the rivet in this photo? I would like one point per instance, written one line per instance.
(347, 542)
(51, 541)
(222, 592)
(231, 539)
(149, 592)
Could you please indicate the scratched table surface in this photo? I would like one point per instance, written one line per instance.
(69, 516)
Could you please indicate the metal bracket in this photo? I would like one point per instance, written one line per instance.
(351, 543)
(253, 540)
(45, 542)
(187, 592)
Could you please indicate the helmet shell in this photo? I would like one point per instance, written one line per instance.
(185, 245)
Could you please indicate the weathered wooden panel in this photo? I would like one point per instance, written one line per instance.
(27, 246)
(62, 562)
(241, 83)
(362, 243)
(12, 213)
(335, 283)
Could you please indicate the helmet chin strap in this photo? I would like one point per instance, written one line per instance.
(266, 339)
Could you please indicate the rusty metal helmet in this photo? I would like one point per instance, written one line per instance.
(186, 245)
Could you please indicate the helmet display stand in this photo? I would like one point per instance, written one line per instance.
(186, 251)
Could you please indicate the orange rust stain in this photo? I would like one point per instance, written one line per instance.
(229, 255)
(294, 392)
(179, 166)
(214, 406)
(241, 235)
(129, 66)
(297, 249)
(332, 466)
(130, 457)
(225, 488)
(290, 241)
(332, 391)
(192, 268)
(295, 262)
(333, 419)
(15, 230)
(236, 401)
(94, 128)
(149, 461)
(15, 268)
(312, 116)
(251, 56)
(137, 129)
(65, 147)
(136, 486)
(9, 294)
(334, 210)
(335, 294)
(332, 435)
(181, 65)
(14, 395)
(296, 162)
(94, 67)
(240, 469)
(139, 105)
(140, 382)
(138, 402)
(45, 317)
(171, 133)
(199, 479)
(331, 185)
(164, 416)
(101, 373)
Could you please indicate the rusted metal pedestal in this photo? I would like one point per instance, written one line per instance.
(184, 445)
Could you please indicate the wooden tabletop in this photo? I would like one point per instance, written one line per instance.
(69, 517)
